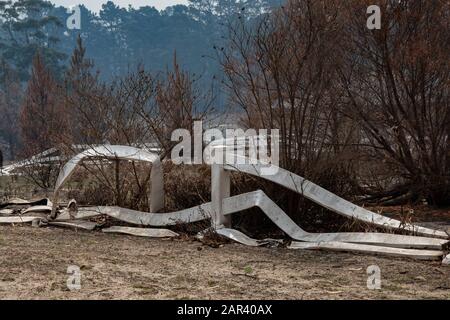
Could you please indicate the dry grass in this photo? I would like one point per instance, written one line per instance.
(34, 264)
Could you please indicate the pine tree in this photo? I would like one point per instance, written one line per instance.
(81, 83)
(80, 73)
(43, 120)
(27, 27)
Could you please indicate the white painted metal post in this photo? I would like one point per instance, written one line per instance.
(157, 194)
(220, 189)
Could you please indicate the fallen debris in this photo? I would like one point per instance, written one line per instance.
(6, 212)
(19, 219)
(240, 237)
(223, 204)
(446, 260)
(37, 209)
(388, 251)
(82, 213)
(80, 224)
(331, 201)
(142, 232)
(22, 202)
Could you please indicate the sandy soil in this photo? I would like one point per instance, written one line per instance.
(34, 261)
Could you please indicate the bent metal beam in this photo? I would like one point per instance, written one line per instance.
(333, 202)
(222, 204)
(116, 153)
(259, 199)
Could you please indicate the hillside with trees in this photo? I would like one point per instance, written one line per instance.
(117, 40)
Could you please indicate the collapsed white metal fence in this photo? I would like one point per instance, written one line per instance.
(423, 243)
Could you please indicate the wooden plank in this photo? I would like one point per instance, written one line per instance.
(362, 248)
(142, 232)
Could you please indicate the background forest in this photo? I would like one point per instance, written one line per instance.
(117, 40)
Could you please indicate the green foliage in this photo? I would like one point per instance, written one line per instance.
(28, 27)
(119, 39)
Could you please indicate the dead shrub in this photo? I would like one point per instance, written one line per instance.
(186, 186)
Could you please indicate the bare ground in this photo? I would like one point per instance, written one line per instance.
(34, 261)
